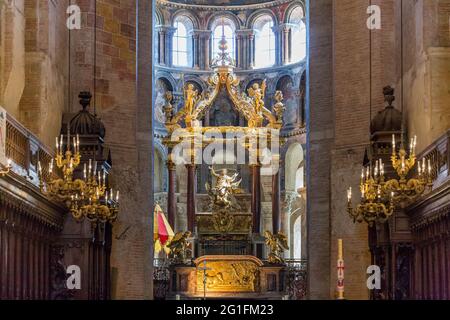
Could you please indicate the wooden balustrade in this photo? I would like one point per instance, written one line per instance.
(29, 223)
(430, 226)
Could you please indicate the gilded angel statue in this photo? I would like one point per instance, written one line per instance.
(191, 97)
(257, 93)
(179, 247)
(222, 193)
(277, 244)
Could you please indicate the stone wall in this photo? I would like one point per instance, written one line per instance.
(116, 104)
(34, 64)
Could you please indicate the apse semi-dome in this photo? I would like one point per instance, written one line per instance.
(390, 119)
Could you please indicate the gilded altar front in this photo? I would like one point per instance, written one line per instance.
(226, 274)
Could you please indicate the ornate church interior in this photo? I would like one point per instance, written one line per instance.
(224, 149)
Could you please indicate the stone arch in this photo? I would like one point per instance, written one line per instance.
(168, 78)
(252, 78)
(226, 14)
(295, 157)
(186, 13)
(293, 6)
(259, 13)
(199, 82)
(159, 17)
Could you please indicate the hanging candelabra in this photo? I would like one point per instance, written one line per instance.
(94, 202)
(375, 206)
(61, 189)
(405, 189)
(87, 197)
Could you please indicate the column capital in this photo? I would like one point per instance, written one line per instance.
(166, 29)
(201, 33)
(284, 27)
(245, 32)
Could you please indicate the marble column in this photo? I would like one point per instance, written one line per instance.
(245, 48)
(165, 41)
(201, 48)
(256, 198)
(172, 197)
(276, 217)
(191, 197)
(284, 35)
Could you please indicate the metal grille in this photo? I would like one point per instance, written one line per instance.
(296, 279)
(161, 278)
(224, 247)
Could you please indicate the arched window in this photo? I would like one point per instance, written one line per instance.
(265, 51)
(182, 42)
(298, 39)
(223, 28)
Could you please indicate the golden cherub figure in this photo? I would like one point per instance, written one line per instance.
(257, 93)
(191, 96)
(277, 244)
(179, 247)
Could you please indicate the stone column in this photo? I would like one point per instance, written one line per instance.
(251, 50)
(284, 35)
(201, 40)
(172, 197)
(195, 48)
(256, 198)
(165, 36)
(276, 218)
(191, 197)
(245, 48)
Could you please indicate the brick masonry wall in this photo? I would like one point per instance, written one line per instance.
(116, 105)
(34, 64)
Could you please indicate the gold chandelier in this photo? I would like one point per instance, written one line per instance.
(380, 197)
(374, 206)
(87, 197)
(61, 189)
(94, 202)
(407, 190)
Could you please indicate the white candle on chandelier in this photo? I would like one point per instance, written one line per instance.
(57, 145)
(90, 168)
(419, 169)
(50, 169)
(368, 172)
(85, 172)
(104, 177)
(393, 143)
(117, 196)
(349, 194)
(61, 144)
(429, 167)
(362, 175)
(99, 179)
(78, 143)
(95, 168)
(106, 197)
(39, 167)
